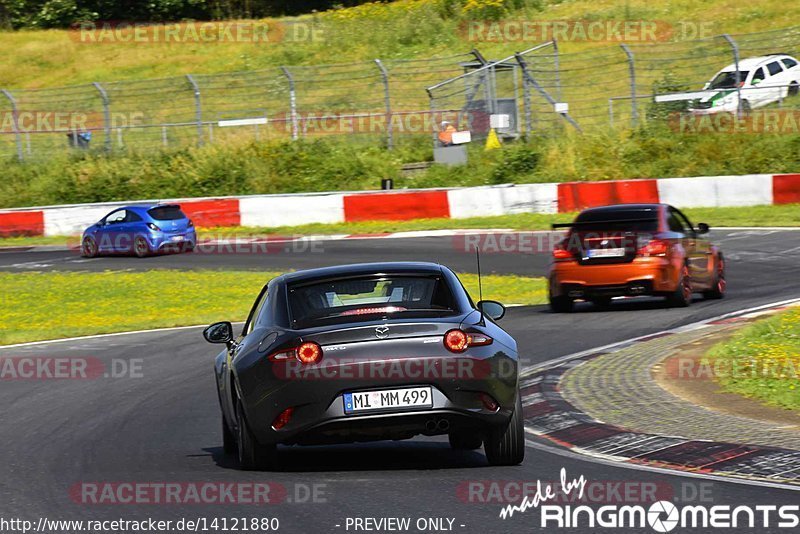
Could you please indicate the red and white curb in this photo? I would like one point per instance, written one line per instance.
(551, 418)
(271, 211)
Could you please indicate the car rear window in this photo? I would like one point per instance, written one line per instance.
(166, 213)
(366, 298)
(628, 220)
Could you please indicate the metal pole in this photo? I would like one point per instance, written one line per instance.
(292, 101)
(545, 94)
(15, 123)
(388, 103)
(106, 114)
(526, 98)
(198, 109)
(557, 65)
(632, 71)
(735, 48)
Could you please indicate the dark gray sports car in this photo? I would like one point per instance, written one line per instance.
(380, 351)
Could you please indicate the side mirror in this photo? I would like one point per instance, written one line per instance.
(492, 309)
(219, 332)
(703, 228)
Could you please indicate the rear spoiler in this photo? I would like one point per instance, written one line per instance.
(589, 223)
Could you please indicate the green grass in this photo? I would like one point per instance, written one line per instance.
(400, 29)
(762, 361)
(58, 305)
(787, 215)
(339, 164)
(404, 28)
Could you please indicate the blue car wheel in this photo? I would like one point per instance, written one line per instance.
(140, 247)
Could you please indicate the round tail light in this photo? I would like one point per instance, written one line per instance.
(309, 352)
(456, 340)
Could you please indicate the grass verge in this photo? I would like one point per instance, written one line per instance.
(762, 361)
(53, 305)
(787, 215)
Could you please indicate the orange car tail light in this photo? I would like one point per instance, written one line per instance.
(654, 247)
(560, 252)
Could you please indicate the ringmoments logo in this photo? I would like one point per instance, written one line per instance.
(660, 516)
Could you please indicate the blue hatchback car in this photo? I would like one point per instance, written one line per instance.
(141, 230)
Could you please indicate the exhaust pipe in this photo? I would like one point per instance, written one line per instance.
(444, 425)
(431, 426)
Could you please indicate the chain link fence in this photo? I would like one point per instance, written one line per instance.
(535, 91)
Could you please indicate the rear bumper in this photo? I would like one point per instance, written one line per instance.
(642, 276)
(318, 404)
(163, 241)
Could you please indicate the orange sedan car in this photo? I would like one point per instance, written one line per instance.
(634, 250)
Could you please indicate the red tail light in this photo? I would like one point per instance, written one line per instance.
(560, 252)
(309, 353)
(654, 247)
(306, 353)
(459, 341)
(283, 419)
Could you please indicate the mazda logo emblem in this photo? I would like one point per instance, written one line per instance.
(382, 332)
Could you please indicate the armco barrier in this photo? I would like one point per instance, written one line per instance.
(456, 203)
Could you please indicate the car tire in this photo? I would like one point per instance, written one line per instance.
(465, 441)
(89, 248)
(682, 296)
(228, 439)
(252, 455)
(506, 445)
(561, 304)
(794, 89)
(140, 247)
(717, 291)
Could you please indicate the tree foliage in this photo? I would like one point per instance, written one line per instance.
(62, 13)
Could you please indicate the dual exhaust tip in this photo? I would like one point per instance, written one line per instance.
(433, 425)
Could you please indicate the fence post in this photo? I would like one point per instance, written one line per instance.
(526, 100)
(292, 101)
(106, 114)
(15, 123)
(632, 71)
(388, 103)
(198, 109)
(735, 48)
(557, 66)
(541, 91)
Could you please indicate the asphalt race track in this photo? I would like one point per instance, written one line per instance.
(162, 424)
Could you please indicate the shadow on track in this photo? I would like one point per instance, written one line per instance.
(379, 456)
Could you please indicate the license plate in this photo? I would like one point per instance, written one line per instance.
(390, 399)
(605, 252)
(177, 238)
